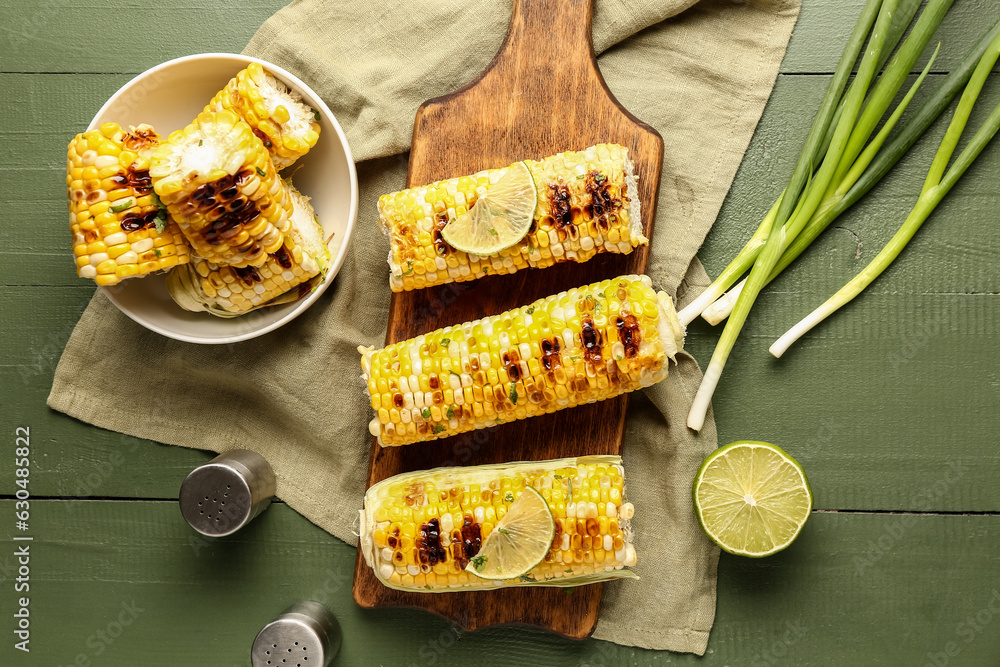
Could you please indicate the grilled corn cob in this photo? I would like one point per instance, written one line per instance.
(286, 275)
(575, 347)
(286, 125)
(113, 214)
(220, 185)
(419, 530)
(586, 205)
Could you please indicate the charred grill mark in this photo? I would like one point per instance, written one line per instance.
(434, 382)
(397, 400)
(550, 353)
(429, 549)
(602, 205)
(510, 364)
(393, 539)
(559, 207)
(138, 180)
(282, 257)
(629, 334)
(263, 137)
(229, 211)
(591, 339)
(248, 274)
(140, 138)
(472, 538)
(440, 246)
(133, 222)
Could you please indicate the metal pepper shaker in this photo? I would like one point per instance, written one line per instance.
(304, 635)
(225, 494)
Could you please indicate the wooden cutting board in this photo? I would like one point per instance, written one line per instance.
(542, 94)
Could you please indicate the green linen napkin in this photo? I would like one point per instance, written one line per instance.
(699, 73)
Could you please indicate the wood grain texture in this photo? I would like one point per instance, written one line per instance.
(848, 600)
(541, 95)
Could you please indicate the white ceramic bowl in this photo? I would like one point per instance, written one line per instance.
(168, 97)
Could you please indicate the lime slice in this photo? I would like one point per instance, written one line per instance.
(752, 498)
(498, 219)
(519, 542)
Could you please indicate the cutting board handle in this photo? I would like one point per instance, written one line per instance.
(550, 33)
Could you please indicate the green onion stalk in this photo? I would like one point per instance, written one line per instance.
(883, 162)
(937, 184)
(786, 227)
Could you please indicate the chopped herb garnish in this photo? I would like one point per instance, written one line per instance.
(503, 531)
(160, 221)
(426, 412)
(438, 428)
(316, 115)
(526, 577)
(493, 231)
(156, 251)
(409, 267)
(600, 178)
(509, 497)
(619, 357)
(451, 412)
(479, 561)
(261, 172)
(513, 393)
(498, 420)
(201, 141)
(530, 310)
(567, 571)
(575, 358)
(445, 342)
(567, 591)
(428, 586)
(579, 177)
(458, 375)
(128, 203)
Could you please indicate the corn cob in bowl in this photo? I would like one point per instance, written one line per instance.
(288, 274)
(421, 530)
(119, 230)
(586, 204)
(287, 126)
(579, 346)
(220, 185)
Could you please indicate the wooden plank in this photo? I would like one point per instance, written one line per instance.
(854, 589)
(824, 28)
(124, 36)
(128, 37)
(511, 112)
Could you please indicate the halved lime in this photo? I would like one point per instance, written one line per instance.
(752, 498)
(519, 542)
(498, 219)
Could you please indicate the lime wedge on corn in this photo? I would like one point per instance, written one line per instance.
(498, 219)
(752, 499)
(519, 541)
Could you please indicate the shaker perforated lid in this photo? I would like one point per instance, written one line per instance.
(225, 494)
(304, 635)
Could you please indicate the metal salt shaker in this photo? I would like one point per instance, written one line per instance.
(304, 635)
(225, 494)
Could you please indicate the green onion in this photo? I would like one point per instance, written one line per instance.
(786, 225)
(936, 186)
(886, 158)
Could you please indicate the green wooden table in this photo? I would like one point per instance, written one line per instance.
(891, 406)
